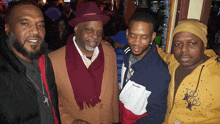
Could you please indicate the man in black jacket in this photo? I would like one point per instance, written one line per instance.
(28, 93)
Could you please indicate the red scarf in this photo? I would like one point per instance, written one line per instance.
(86, 83)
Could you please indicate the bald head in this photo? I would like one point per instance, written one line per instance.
(12, 9)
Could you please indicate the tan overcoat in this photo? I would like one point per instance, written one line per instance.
(105, 112)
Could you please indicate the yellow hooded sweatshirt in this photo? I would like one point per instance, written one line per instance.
(197, 99)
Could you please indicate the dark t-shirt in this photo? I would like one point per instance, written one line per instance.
(181, 73)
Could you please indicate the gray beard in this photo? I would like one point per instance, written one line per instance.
(11, 40)
(89, 48)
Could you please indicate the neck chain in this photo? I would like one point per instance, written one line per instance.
(37, 86)
(46, 100)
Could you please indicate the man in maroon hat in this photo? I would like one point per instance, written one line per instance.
(86, 71)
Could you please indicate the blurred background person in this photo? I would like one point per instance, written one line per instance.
(57, 30)
(120, 41)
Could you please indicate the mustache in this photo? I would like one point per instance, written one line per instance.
(92, 40)
(185, 55)
(34, 37)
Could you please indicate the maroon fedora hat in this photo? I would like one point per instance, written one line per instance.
(88, 11)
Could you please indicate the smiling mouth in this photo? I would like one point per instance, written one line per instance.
(135, 48)
(33, 41)
(92, 43)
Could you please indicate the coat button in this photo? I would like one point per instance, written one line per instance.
(176, 122)
(101, 106)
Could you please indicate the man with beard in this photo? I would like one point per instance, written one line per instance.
(27, 86)
(193, 95)
(145, 76)
(86, 71)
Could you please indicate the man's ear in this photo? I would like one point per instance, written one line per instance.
(127, 31)
(153, 36)
(75, 29)
(7, 28)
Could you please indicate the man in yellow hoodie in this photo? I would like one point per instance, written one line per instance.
(195, 76)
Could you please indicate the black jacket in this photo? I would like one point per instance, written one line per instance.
(18, 98)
